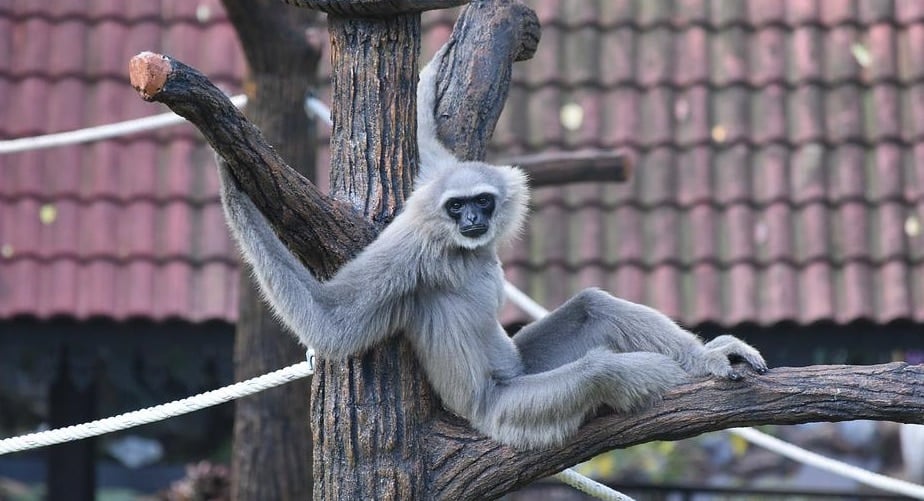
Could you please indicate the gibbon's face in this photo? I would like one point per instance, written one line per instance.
(471, 214)
(471, 204)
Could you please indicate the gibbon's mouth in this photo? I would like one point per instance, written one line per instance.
(474, 231)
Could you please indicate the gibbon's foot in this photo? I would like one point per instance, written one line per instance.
(718, 355)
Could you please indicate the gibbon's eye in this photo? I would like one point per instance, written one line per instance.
(484, 201)
(454, 205)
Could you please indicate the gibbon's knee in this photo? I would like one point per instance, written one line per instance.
(595, 301)
(591, 294)
(590, 299)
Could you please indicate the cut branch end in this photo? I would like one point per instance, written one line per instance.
(148, 73)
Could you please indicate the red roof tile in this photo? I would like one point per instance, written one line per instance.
(122, 228)
(779, 150)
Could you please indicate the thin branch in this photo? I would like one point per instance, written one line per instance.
(481, 468)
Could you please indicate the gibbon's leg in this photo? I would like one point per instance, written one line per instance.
(545, 408)
(594, 318)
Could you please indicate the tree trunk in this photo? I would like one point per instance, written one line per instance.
(271, 455)
(71, 474)
(369, 412)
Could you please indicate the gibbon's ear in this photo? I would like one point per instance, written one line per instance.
(516, 205)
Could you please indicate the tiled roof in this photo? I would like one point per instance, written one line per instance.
(776, 145)
(121, 228)
(779, 150)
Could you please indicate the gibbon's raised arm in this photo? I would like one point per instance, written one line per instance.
(338, 318)
(434, 157)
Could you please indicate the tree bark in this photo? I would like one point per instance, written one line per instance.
(368, 412)
(271, 454)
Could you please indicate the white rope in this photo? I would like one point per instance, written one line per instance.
(314, 107)
(824, 463)
(524, 302)
(156, 413)
(100, 132)
(590, 486)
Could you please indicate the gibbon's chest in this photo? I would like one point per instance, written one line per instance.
(472, 294)
(485, 285)
(475, 277)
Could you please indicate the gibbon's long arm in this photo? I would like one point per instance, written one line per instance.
(338, 318)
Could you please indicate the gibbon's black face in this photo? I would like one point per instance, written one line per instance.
(472, 214)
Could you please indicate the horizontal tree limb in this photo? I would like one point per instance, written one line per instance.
(481, 468)
(565, 167)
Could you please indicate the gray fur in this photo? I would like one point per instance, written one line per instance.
(443, 291)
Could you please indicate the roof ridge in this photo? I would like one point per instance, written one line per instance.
(723, 265)
(680, 146)
(125, 259)
(84, 200)
(733, 202)
(749, 84)
(93, 19)
(725, 25)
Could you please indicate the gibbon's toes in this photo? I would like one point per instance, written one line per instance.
(720, 365)
(737, 350)
(728, 373)
(759, 365)
(754, 360)
(714, 363)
